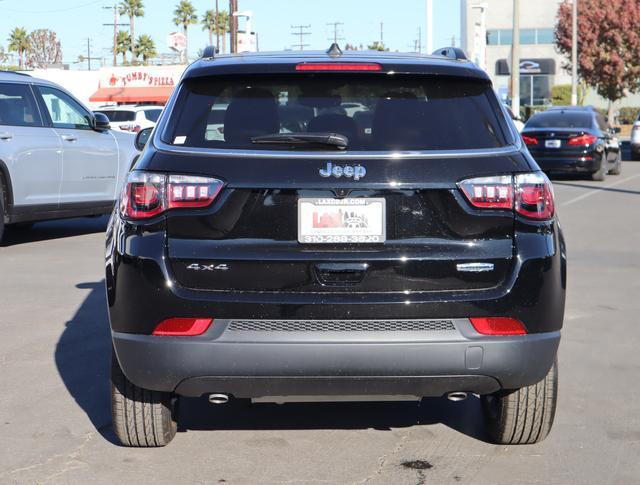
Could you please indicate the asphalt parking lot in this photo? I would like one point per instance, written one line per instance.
(54, 404)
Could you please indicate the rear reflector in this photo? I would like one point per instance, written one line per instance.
(498, 326)
(183, 327)
(338, 66)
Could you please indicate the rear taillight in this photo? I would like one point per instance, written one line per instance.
(147, 195)
(529, 140)
(183, 327)
(582, 140)
(498, 326)
(528, 194)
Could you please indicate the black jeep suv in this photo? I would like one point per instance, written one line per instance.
(344, 225)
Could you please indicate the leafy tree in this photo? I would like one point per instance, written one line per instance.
(123, 45)
(19, 42)
(219, 28)
(377, 46)
(44, 49)
(132, 9)
(608, 45)
(146, 47)
(185, 15)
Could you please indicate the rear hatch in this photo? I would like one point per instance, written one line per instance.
(310, 218)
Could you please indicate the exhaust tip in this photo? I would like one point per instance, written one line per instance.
(218, 398)
(457, 396)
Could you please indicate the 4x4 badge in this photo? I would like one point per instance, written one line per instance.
(208, 267)
(348, 171)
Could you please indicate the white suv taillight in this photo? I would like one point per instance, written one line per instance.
(147, 195)
(528, 194)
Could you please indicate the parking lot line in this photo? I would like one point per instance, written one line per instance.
(596, 190)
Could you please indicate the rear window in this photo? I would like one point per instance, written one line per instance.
(374, 113)
(119, 115)
(560, 119)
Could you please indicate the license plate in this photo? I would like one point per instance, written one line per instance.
(552, 143)
(355, 220)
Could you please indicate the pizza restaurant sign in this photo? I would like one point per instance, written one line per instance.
(141, 78)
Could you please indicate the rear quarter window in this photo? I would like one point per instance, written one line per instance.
(375, 113)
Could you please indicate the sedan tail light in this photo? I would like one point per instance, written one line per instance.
(529, 194)
(147, 195)
(529, 140)
(582, 140)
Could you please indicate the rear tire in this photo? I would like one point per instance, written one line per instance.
(523, 416)
(140, 417)
(599, 175)
(617, 168)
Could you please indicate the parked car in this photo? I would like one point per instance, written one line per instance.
(574, 140)
(420, 258)
(131, 118)
(57, 158)
(635, 140)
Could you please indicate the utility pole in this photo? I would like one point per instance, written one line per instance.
(88, 58)
(515, 60)
(115, 26)
(574, 55)
(336, 29)
(217, 27)
(382, 34)
(233, 25)
(419, 49)
(302, 31)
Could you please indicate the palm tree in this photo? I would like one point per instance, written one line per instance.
(146, 47)
(19, 42)
(209, 24)
(218, 29)
(223, 28)
(185, 15)
(132, 9)
(123, 45)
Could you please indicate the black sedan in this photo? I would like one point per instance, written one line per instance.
(574, 140)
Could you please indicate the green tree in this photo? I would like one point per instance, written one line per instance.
(377, 46)
(19, 42)
(132, 9)
(185, 15)
(219, 28)
(146, 47)
(123, 45)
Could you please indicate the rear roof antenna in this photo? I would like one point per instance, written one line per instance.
(334, 50)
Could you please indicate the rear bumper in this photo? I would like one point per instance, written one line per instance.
(568, 164)
(266, 364)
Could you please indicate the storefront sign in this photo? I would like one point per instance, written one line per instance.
(527, 66)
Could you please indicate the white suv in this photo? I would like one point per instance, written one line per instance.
(131, 118)
(57, 158)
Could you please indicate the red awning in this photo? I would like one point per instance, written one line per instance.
(154, 94)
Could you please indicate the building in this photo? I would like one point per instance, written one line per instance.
(487, 35)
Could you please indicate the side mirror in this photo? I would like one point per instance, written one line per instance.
(101, 122)
(142, 138)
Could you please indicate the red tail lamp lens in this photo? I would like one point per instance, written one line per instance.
(489, 192)
(583, 140)
(183, 327)
(338, 66)
(498, 326)
(529, 140)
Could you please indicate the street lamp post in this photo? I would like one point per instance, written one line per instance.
(515, 60)
(574, 55)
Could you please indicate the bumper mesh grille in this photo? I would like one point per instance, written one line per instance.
(342, 326)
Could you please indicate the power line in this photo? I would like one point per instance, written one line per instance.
(55, 10)
(302, 31)
(337, 34)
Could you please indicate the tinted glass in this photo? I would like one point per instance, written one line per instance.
(119, 115)
(65, 112)
(560, 119)
(393, 113)
(152, 114)
(17, 106)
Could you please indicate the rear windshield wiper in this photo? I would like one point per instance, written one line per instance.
(306, 140)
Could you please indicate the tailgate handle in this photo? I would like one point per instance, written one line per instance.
(341, 273)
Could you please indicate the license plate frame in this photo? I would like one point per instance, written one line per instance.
(354, 220)
(552, 144)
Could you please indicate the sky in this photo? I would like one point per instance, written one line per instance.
(76, 20)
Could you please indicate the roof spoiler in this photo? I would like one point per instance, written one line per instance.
(451, 52)
(210, 52)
